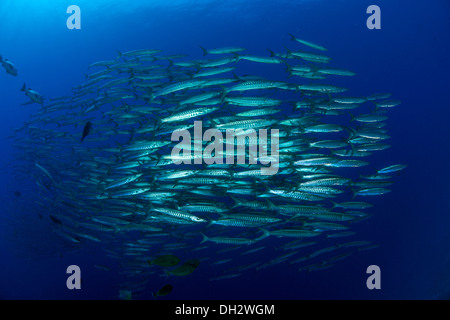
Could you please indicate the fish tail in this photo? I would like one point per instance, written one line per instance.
(236, 56)
(24, 87)
(292, 37)
(288, 50)
(205, 238)
(352, 134)
(271, 205)
(351, 116)
(376, 106)
(335, 205)
(293, 104)
(120, 54)
(272, 54)
(264, 235)
(205, 52)
(288, 68)
(237, 202)
(266, 188)
(158, 122)
(1, 58)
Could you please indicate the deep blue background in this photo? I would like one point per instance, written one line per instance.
(409, 57)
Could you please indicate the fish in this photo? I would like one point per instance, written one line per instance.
(309, 44)
(164, 261)
(352, 205)
(226, 240)
(178, 214)
(140, 52)
(189, 114)
(9, 66)
(393, 168)
(55, 220)
(86, 130)
(164, 291)
(33, 95)
(224, 50)
(371, 192)
(185, 269)
(125, 295)
(123, 181)
(388, 103)
(270, 60)
(226, 276)
(296, 233)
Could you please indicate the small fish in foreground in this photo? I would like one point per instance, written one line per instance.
(9, 66)
(164, 291)
(33, 95)
(86, 130)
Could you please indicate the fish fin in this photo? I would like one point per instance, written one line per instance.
(158, 122)
(352, 117)
(335, 205)
(214, 122)
(289, 52)
(205, 52)
(271, 205)
(376, 106)
(264, 235)
(353, 148)
(1, 58)
(288, 68)
(272, 54)
(315, 71)
(205, 238)
(235, 76)
(266, 187)
(237, 202)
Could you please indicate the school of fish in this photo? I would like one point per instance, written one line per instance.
(102, 164)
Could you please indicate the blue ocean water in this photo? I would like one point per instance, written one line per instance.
(408, 57)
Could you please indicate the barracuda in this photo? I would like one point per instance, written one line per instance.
(232, 241)
(189, 114)
(178, 214)
(253, 101)
(123, 181)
